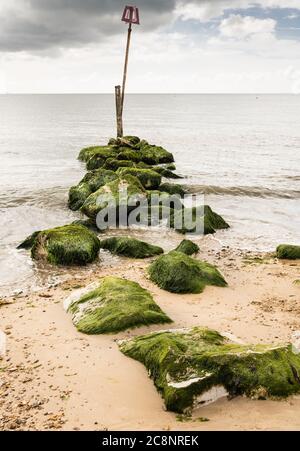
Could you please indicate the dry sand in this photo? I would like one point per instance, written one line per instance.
(56, 378)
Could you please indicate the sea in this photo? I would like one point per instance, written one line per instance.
(242, 152)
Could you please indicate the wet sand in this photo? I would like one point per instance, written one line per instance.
(53, 377)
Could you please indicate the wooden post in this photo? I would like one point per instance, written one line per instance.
(130, 16)
(119, 111)
(126, 66)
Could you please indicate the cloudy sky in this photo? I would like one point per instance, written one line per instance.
(49, 46)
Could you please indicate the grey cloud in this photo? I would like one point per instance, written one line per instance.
(41, 25)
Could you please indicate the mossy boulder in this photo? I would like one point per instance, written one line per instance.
(191, 367)
(29, 241)
(129, 154)
(188, 247)
(172, 189)
(198, 220)
(166, 173)
(88, 223)
(288, 252)
(78, 195)
(67, 245)
(113, 164)
(148, 178)
(91, 182)
(120, 190)
(89, 152)
(99, 177)
(155, 154)
(125, 141)
(178, 273)
(114, 306)
(130, 247)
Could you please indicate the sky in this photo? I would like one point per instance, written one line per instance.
(181, 46)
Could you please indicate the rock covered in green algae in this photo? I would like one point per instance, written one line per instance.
(172, 189)
(188, 247)
(89, 152)
(189, 367)
(202, 220)
(148, 178)
(113, 164)
(178, 273)
(78, 195)
(288, 252)
(153, 155)
(91, 182)
(67, 245)
(129, 148)
(29, 241)
(130, 247)
(120, 190)
(115, 305)
(166, 173)
(88, 223)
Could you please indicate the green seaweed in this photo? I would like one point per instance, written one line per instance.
(78, 195)
(187, 364)
(166, 173)
(29, 241)
(116, 305)
(89, 152)
(288, 252)
(113, 164)
(172, 189)
(67, 245)
(130, 247)
(188, 247)
(148, 178)
(178, 273)
(198, 220)
(116, 190)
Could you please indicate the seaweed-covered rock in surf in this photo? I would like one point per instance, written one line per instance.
(199, 220)
(103, 151)
(148, 178)
(113, 164)
(166, 173)
(130, 247)
(91, 182)
(67, 245)
(115, 305)
(288, 252)
(178, 273)
(29, 241)
(172, 189)
(153, 155)
(194, 367)
(188, 247)
(119, 191)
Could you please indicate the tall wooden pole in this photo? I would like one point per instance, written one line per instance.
(126, 66)
(119, 111)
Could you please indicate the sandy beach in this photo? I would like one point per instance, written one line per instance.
(53, 377)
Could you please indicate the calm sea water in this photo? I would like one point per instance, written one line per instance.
(242, 151)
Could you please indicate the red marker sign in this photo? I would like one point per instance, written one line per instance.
(131, 15)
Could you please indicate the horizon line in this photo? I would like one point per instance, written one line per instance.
(148, 93)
